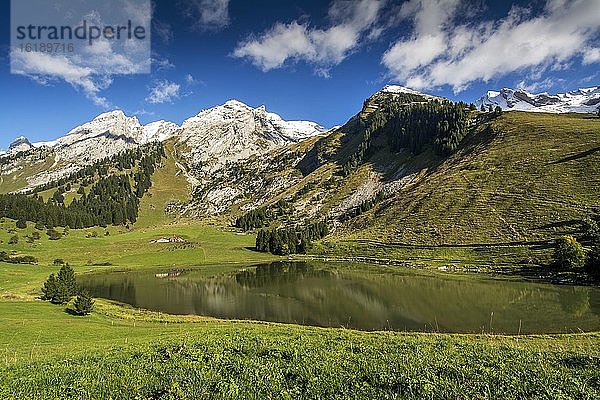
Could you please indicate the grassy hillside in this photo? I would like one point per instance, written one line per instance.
(527, 177)
(169, 186)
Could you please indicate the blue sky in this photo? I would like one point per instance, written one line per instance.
(314, 60)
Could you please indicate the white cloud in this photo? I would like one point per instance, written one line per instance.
(591, 55)
(162, 64)
(209, 14)
(441, 51)
(190, 80)
(44, 67)
(535, 87)
(90, 68)
(163, 92)
(351, 23)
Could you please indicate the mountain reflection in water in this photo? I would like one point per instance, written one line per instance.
(325, 295)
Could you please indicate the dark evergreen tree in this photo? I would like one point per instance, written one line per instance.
(50, 289)
(84, 304)
(60, 288)
(66, 276)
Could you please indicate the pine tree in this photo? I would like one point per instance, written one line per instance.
(50, 289)
(66, 276)
(84, 304)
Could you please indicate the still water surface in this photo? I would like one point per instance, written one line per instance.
(368, 298)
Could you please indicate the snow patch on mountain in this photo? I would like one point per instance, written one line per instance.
(585, 100)
(397, 89)
(158, 131)
(19, 144)
(235, 131)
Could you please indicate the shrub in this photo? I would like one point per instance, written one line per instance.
(4, 257)
(568, 253)
(23, 260)
(53, 234)
(13, 240)
(84, 304)
(21, 224)
(59, 261)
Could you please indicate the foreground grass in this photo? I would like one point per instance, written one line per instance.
(118, 353)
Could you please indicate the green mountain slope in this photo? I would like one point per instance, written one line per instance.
(520, 177)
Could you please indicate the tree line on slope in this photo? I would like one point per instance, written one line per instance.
(263, 216)
(112, 199)
(441, 124)
(120, 162)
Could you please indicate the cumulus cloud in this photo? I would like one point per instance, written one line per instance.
(44, 68)
(591, 55)
(350, 23)
(211, 15)
(534, 87)
(90, 67)
(441, 50)
(163, 91)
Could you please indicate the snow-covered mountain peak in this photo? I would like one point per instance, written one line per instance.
(19, 144)
(110, 115)
(399, 89)
(585, 100)
(235, 131)
(158, 131)
(233, 103)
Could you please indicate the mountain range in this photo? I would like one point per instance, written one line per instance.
(408, 167)
(585, 100)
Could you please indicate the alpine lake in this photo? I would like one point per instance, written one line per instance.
(363, 297)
